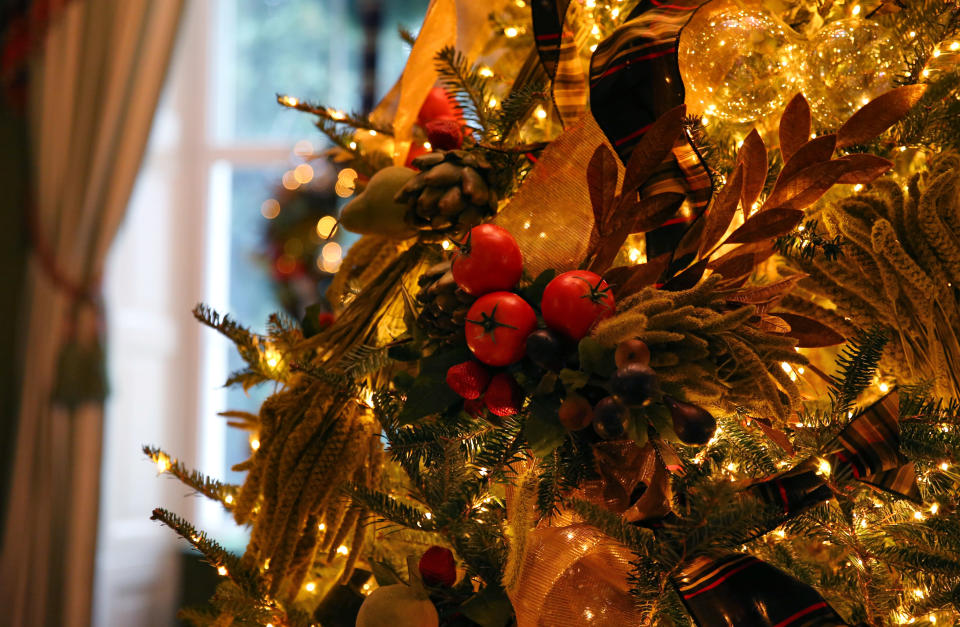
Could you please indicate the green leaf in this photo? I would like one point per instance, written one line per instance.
(533, 293)
(543, 430)
(596, 358)
(574, 379)
(384, 573)
(426, 396)
(488, 608)
(547, 384)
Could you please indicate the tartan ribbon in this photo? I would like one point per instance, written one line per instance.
(634, 78)
(867, 450)
(738, 589)
(557, 49)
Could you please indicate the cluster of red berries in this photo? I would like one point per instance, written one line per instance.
(501, 327)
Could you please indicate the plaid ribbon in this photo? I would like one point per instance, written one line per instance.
(739, 589)
(560, 58)
(867, 450)
(634, 78)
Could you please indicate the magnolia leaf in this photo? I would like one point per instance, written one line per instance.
(794, 126)
(864, 168)
(810, 333)
(773, 324)
(777, 436)
(643, 275)
(817, 150)
(688, 278)
(766, 225)
(808, 185)
(735, 267)
(645, 215)
(753, 156)
(721, 212)
(878, 115)
(653, 211)
(764, 293)
(602, 176)
(543, 430)
(653, 148)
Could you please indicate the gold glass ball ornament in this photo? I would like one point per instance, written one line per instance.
(738, 64)
(848, 63)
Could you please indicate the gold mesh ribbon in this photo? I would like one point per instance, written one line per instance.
(573, 575)
(550, 216)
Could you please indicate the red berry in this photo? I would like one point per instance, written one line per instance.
(497, 327)
(437, 567)
(325, 319)
(437, 105)
(575, 301)
(474, 407)
(468, 379)
(416, 149)
(504, 397)
(489, 260)
(444, 134)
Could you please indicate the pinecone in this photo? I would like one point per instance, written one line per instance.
(443, 304)
(450, 194)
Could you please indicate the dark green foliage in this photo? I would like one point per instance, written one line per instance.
(806, 242)
(856, 366)
(468, 87)
(389, 509)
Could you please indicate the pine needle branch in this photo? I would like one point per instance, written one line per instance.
(469, 87)
(249, 581)
(211, 488)
(857, 364)
(388, 508)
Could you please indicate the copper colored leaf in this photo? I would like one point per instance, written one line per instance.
(753, 156)
(644, 274)
(817, 150)
(810, 333)
(777, 436)
(764, 293)
(808, 185)
(652, 212)
(653, 148)
(878, 115)
(765, 225)
(794, 126)
(721, 211)
(773, 324)
(602, 178)
(864, 169)
(735, 267)
(688, 278)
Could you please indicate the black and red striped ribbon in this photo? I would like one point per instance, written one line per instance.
(739, 589)
(634, 79)
(560, 58)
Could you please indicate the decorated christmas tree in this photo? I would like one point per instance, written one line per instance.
(653, 322)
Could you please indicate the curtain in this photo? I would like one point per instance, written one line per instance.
(93, 87)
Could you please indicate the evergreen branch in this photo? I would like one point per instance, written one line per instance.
(406, 35)
(805, 241)
(857, 364)
(390, 509)
(363, 360)
(210, 488)
(247, 342)
(516, 107)
(638, 539)
(469, 87)
(248, 580)
(335, 116)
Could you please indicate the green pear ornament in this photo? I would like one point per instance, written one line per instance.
(374, 211)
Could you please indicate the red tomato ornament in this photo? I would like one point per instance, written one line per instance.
(497, 327)
(438, 105)
(489, 260)
(437, 567)
(575, 301)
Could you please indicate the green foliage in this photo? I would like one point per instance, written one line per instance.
(807, 240)
(857, 364)
(207, 486)
(469, 88)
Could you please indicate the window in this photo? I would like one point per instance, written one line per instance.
(218, 149)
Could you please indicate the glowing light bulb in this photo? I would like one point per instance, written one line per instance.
(222, 571)
(485, 72)
(270, 208)
(163, 463)
(326, 226)
(343, 550)
(228, 499)
(823, 468)
(511, 31)
(254, 444)
(540, 113)
(310, 587)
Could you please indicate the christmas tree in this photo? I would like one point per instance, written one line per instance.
(653, 322)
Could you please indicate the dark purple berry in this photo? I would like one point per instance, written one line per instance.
(545, 348)
(610, 418)
(692, 424)
(635, 383)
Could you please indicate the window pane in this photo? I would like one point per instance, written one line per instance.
(305, 48)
